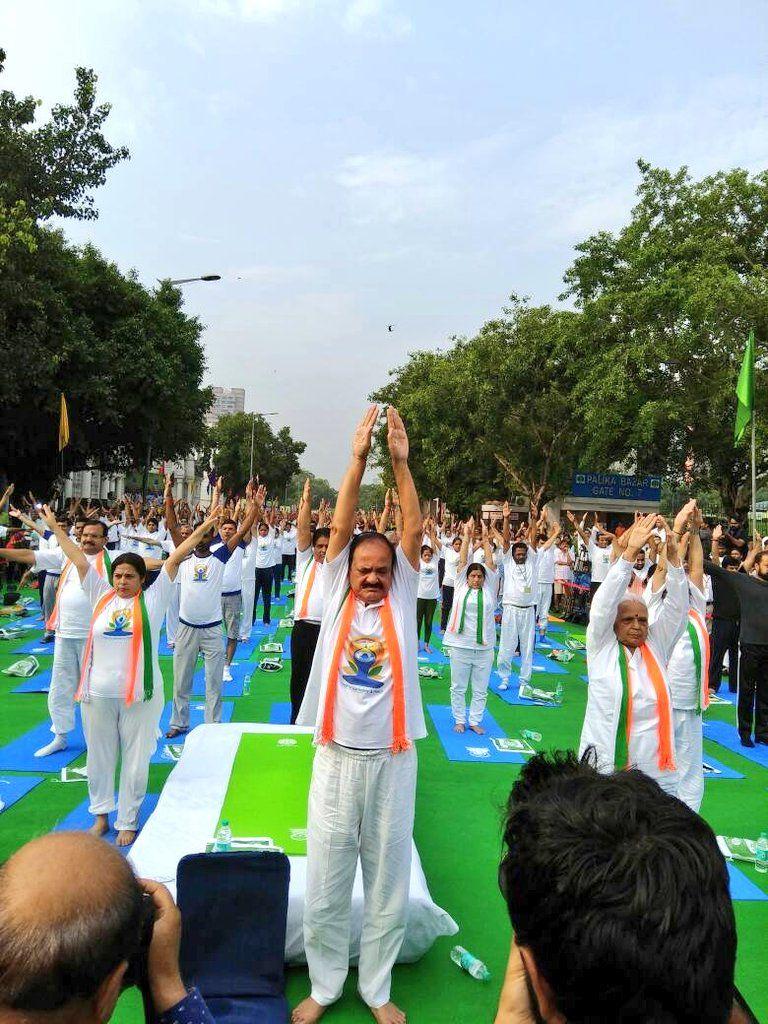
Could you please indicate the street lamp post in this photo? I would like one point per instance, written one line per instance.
(187, 280)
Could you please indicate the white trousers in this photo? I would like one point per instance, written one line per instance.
(517, 630)
(543, 605)
(468, 666)
(65, 676)
(112, 728)
(689, 754)
(49, 595)
(361, 807)
(246, 620)
(172, 616)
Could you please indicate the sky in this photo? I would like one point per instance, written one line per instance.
(350, 164)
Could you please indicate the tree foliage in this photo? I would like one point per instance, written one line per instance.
(321, 488)
(667, 304)
(275, 455)
(494, 414)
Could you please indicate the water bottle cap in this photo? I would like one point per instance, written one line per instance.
(225, 823)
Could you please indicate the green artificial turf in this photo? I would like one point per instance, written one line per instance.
(458, 816)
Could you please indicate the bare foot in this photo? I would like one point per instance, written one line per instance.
(459, 727)
(307, 1012)
(125, 837)
(100, 825)
(174, 732)
(427, 648)
(478, 729)
(388, 1014)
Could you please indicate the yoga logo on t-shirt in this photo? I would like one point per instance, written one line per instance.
(364, 662)
(200, 573)
(120, 623)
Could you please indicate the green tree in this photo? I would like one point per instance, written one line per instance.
(494, 414)
(667, 304)
(321, 488)
(275, 455)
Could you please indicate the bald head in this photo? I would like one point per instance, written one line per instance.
(631, 622)
(70, 913)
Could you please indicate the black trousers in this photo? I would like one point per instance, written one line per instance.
(440, 570)
(753, 691)
(725, 637)
(289, 566)
(264, 579)
(41, 584)
(445, 611)
(303, 642)
(425, 612)
(277, 577)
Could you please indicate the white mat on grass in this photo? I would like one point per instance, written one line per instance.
(186, 817)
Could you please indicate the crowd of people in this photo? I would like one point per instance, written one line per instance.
(367, 588)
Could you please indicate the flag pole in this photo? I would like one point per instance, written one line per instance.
(754, 479)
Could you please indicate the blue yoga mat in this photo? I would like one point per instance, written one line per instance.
(80, 819)
(725, 694)
(26, 623)
(14, 787)
(435, 658)
(280, 714)
(726, 735)
(196, 717)
(511, 695)
(233, 689)
(34, 647)
(725, 771)
(163, 649)
(40, 683)
(468, 746)
(19, 754)
(742, 887)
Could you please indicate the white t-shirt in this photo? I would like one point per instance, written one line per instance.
(467, 638)
(304, 562)
(74, 607)
(232, 581)
(600, 559)
(429, 581)
(563, 570)
(288, 541)
(681, 669)
(113, 633)
(363, 711)
(545, 564)
(48, 542)
(520, 581)
(451, 561)
(266, 551)
(201, 579)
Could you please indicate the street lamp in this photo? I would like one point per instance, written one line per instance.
(186, 280)
(253, 427)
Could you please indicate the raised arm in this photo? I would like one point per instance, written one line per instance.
(506, 540)
(70, 549)
(578, 527)
(383, 523)
(466, 536)
(397, 439)
(749, 562)
(343, 520)
(251, 516)
(6, 496)
(550, 541)
(304, 518)
(176, 557)
(487, 548)
(30, 523)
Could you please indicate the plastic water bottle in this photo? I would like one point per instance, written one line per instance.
(470, 963)
(531, 736)
(559, 693)
(247, 686)
(223, 838)
(761, 854)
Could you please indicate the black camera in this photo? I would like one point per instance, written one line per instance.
(138, 968)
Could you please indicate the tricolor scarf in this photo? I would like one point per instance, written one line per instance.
(699, 637)
(310, 572)
(480, 634)
(345, 613)
(666, 760)
(139, 651)
(103, 567)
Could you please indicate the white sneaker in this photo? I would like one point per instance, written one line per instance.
(59, 742)
(504, 684)
(227, 674)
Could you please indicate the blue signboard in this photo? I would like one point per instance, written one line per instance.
(614, 485)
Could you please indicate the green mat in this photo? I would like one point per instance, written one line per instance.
(268, 789)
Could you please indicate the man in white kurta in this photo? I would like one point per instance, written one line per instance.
(363, 697)
(628, 718)
(518, 619)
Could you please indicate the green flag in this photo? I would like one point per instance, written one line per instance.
(745, 389)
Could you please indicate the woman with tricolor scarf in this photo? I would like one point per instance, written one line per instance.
(471, 633)
(628, 719)
(364, 700)
(121, 687)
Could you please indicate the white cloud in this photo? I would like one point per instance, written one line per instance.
(393, 187)
(374, 17)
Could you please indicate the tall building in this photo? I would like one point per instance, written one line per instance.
(226, 401)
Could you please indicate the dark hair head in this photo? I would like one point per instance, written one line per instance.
(620, 893)
(131, 558)
(227, 522)
(426, 547)
(519, 544)
(320, 533)
(474, 566)
(90, 922)
(92, 522)
(372, 535)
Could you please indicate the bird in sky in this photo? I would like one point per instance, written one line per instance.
(390, 328)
